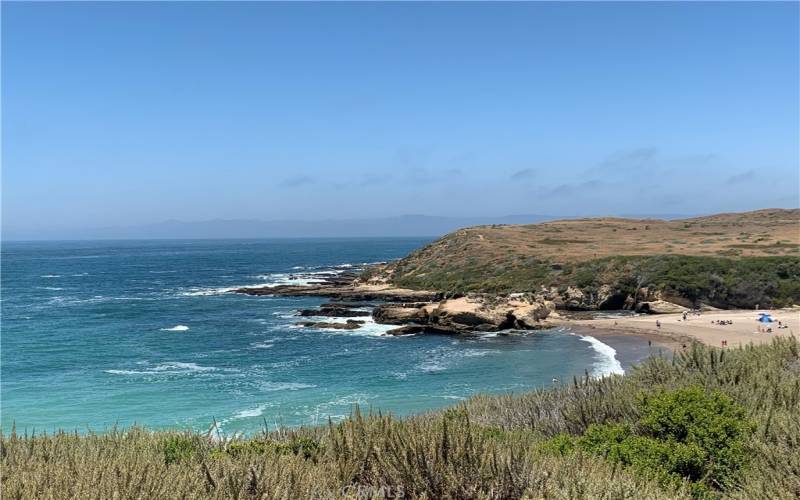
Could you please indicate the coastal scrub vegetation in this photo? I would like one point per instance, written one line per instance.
(665, 257)
(718, 281)
(701, 423)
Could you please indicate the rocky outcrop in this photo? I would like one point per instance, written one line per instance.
(532, 315)
(466, 314)
(338, 312)
(421, 329)
(401, 314)
(659, 307)
(345, 291)
(355, 305)
(574, 298)
(350, 324)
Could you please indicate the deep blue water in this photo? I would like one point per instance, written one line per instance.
(121, 332)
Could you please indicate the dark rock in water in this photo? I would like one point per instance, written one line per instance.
(422, 329)
(353, 305)
(337, 312)
(351, 324)
(343, 291)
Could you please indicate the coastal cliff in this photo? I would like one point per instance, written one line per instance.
(726, 261)
(491, 278)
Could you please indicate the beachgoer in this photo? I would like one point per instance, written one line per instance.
(658, 324)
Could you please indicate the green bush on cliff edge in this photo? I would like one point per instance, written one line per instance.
(687, 434)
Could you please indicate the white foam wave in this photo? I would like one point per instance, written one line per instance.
(316, 275)
(262, 345)
(369, 329)
(440, 359)
(50, 276)
(607, 364)
(253, 412)
(71, 301)
(172, 368)
(279, 279)
(176, 328)
(203, 292)
(53, 288)
(268, 281)
(283, 386)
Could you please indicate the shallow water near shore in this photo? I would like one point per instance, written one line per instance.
(148, 332)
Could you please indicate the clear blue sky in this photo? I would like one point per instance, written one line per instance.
(129, 113)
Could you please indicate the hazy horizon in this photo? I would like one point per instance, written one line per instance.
(128, 114)
(406, 225)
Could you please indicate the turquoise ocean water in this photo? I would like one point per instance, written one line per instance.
(121, 332)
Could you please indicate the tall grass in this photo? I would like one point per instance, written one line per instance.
(488, 447)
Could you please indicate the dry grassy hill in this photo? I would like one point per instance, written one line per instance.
(721, 258)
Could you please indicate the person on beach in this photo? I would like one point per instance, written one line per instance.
(658, 324)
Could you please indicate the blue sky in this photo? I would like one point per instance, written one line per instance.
(130, 113)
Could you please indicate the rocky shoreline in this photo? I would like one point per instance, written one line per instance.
(413, 311)
(429, 312)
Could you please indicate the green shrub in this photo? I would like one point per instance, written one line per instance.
(686, 434)
(179, 448)
(251, 447)
(712, 424)
(305, 447)
(561, 444)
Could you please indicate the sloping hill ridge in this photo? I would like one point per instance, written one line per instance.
(725, 260)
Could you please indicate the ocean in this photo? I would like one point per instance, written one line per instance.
(103, 333)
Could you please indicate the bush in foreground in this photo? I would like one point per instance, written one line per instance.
(682, 435)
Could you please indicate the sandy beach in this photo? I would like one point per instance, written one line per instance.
(675, 331)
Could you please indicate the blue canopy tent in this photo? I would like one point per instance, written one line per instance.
(765, 318)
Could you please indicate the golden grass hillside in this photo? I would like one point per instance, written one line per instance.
(743, 258)
(760, 233)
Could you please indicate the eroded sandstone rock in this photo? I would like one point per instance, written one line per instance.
(468, 313)
(659, 307)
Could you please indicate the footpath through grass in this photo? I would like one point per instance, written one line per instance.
(705, 423)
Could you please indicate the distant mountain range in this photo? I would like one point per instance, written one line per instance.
(403, 225)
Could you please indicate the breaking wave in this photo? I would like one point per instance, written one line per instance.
(176, 328)
(172, 368)
(608, 364)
